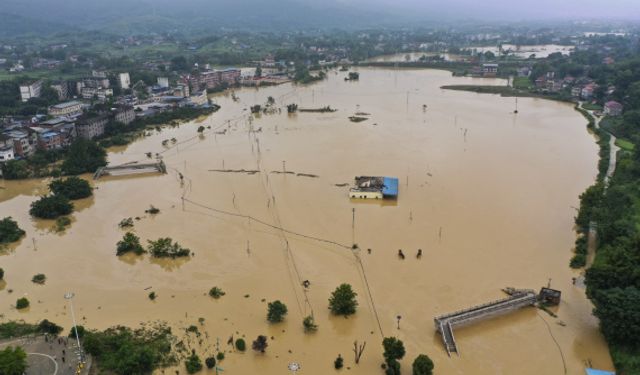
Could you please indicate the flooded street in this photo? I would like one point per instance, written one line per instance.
(487, 195)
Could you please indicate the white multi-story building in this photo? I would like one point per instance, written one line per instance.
(124, 114)
(125, 80)
(30, 90)
(6, 153)
(163, 82)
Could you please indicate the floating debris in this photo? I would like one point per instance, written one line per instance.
(357, 119)
(342, 185)
(250, 171)
(307, 175)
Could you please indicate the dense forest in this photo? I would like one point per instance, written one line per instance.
(613, 282)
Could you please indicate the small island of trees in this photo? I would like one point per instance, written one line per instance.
(10, 231)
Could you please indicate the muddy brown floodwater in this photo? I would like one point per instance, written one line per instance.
(488, 196)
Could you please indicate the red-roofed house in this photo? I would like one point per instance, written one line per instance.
(613, 108)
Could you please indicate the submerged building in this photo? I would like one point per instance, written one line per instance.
(368, 187)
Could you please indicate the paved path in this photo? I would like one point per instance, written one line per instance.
(55, 364)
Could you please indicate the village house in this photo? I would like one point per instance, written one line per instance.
(613, 108)
(124, 114)
(21, 142)
(6, 149)
(91, 127)
(30, 90)
(587, 91)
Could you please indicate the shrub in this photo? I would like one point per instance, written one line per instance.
(200, 129)
(39, 278)
(260, 344)
(22, 303)
(72, 188)
(193, 363)
(9, 230)
(343, 300)
(422, 365)
(210, 362)
(276, 311)
(338, 363)
(51, 207)
(240, 345)
(216, 292)
(62, 223)
(220, 356)
(152, 210)
(130, 243)
(152, 296)
(1, 274)
(309, 324)
(126, 223)
(46, 326)
(166, 248)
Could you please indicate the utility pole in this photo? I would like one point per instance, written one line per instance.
(284, 166)
(353, 225)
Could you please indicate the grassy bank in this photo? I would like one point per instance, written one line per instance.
(506, 91)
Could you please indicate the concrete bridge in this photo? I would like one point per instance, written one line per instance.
(133, 168)
(445, 323)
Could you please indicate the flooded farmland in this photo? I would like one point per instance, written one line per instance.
(489, 197)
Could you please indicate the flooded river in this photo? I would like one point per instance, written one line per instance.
(487, 195)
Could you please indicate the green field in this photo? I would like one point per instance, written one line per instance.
(522, 83)
(592, 107)
(625, 145)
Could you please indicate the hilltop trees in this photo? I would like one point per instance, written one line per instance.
(343, 300)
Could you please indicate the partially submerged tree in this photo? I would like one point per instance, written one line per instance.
(422, 365)
(343, 300)
(51, 207)
(166, 248)
(276, 311)
(22, 303)
(71, 187)
(39, 278)
(309, 324)
(9, 230)
(393, 351)
(260, 344)
(193, 363)
(130, 243)
(216, 292)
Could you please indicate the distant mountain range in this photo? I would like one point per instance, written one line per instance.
(142, 16)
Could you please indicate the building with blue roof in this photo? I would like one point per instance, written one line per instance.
(368, 187)
(591, 371)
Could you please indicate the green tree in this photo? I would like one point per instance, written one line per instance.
(71, 187)
(422, 365)
(241, 345)
(84, 156)
(343, 300)
(130, 243)
(22, 303)
(216, 292)
(1, 274)
(338, 363)
(166, 248)
(619, 313)
(9, 230)
(276, 311)
(393, 351)
(15, 169)
(46, 326)
(13, 361)
(210, 362)
(51, 207)
(193, 363)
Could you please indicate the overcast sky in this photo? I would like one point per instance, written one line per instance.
(517, 9)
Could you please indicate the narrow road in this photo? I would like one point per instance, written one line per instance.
(613, 154)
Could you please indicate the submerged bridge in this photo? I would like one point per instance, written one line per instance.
(446, 323)
(133, 168)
